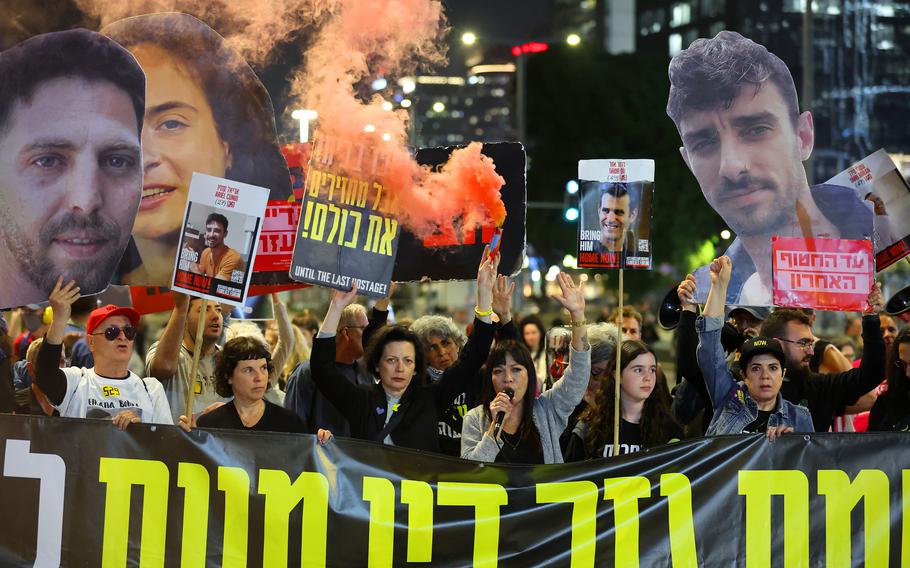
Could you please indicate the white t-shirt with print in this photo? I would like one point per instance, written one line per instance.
(89, 395)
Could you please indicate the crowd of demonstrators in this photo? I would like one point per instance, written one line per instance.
(170, 359)
(533, 334)
(559, 338)
(243, 371)
(403, 408)
(602, 338)
(109, 389)
(531, 426)
(444, 344)
(755, 404)
(646, 419)
(352, 329)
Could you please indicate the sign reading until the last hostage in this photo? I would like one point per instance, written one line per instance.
(348, 233)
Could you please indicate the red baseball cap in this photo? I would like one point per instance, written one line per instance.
(98, 315)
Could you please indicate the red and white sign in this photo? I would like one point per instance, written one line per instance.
(825, 274)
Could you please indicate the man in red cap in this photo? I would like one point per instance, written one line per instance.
(109, 390)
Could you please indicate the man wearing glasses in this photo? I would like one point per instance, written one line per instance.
(109, 390)
(826, 394)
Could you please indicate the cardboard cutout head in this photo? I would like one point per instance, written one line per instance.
(206, 112)
(71, 111)
(744, 139)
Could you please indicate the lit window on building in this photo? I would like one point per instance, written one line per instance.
(681, 14)
(675, 44)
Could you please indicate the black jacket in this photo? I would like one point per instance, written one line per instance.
(421, 406)
(827, 394)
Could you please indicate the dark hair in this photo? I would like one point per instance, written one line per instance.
(898, 383)
(72, 54)
(218, 218)
(538, 323)
(519, 351)
(244, 348)
(306, 320)
(710, 73)
(655, 416)
(389, 334)
(628, 312)
(240, 104)
(775, 325)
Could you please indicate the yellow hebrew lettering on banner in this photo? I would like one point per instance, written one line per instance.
(385, 247)
(281, 497)
(758, 487)
(336, 219)
(120, 475)
(625, 493)
(319, 215)
(418, 496)
(235, 482)
(486, 498)
(841, 496)
(374, 234)
(194, 479)
(583, 497)
(676, 487)
(307, 217)
(380, 493)
(378, 187)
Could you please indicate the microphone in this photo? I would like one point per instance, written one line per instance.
(500, 416)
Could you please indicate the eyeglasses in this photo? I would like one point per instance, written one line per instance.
(360, 327)
(113, 332)
(803, 343)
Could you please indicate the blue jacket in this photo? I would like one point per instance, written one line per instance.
(734, 409)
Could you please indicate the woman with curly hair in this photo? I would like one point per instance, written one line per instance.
(242, 370)
(645, 420)
(205, 111)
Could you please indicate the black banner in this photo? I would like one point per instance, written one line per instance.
(81, 493)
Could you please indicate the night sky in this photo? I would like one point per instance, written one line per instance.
(512, 18)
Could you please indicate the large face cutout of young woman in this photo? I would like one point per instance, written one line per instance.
(396, 367)
(513, 375)
(639, 378)
(179, 137)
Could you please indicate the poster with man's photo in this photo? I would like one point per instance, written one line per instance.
(879, 183)
(614, 229)
(220, 229)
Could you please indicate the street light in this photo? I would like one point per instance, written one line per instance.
(438, 106)
(468, 38)
(405, 103)
(304, 116)
(573, 39)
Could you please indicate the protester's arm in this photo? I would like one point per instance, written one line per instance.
(476, 442)
(710, 352)
(286, 339)
(568, 391)
(164, 363)
(464, 374)
(346, 396)
(48, 375)
(378, 316)
(502, 297)
(687, 337)
(847, 387)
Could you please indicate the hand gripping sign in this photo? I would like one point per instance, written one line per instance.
(616, 203)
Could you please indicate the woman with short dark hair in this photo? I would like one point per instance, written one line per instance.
(242, 370)
(402, 408)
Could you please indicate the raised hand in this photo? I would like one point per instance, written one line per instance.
(876, 300)
(62, 298)
(502, 298)
(571, 297)
(342, 299)
(125, 418)
(686, 291)
(721, 269)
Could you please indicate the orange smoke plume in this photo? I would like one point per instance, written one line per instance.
(356, 41)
